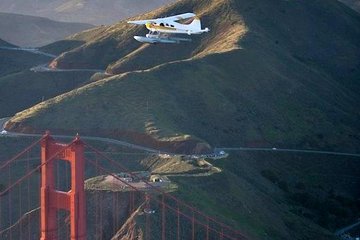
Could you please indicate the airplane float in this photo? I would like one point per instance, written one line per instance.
(162, 29)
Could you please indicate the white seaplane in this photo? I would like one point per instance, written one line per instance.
(163, 29)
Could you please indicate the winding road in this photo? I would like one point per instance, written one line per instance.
(31, 50)
(99, 139)
(146, 149)
(44, 67)
(286, 150)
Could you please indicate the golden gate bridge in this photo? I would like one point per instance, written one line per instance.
(47, 200)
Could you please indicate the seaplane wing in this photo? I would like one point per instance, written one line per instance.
(165, 19)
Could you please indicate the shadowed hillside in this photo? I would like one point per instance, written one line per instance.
(21, 88)
(354, 4)
(5, 44)
(273, 82)
(14, 61)
(29, 31)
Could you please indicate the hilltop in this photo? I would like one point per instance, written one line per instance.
(29, 31)
(90, 11)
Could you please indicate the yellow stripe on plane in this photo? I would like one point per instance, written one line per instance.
(152, 26)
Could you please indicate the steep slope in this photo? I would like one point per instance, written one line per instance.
(21, 88)
(12, 61)
(115, 45)
(354, 4)
(279, 86)
(29, 31)
(24, 89)
(5, 44)
(88, 11)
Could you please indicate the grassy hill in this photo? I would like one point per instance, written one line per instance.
(21, 88)
(14, 61)
(29, 31)
(270, 73)
(263, 85)
(114, 46)
(88, 11)
(24, 89)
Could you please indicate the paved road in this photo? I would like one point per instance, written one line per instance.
(217, 150)
(346, 229)
(100, 139)
(45, 68)
(31, 50)
(286, 150)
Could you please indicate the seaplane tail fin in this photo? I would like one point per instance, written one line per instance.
(195, 25)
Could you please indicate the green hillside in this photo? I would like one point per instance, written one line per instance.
(21, 88)
(274, 86)
(24, 89)
(14, 61)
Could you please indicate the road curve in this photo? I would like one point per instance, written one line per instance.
(31, 50)
(138, 147)
(44, 67)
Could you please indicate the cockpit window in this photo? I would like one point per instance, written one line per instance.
(185, 21)
(172, 26)
(161, 24)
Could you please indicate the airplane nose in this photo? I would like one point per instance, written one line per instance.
(148, 25)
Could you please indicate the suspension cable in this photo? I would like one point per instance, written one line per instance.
(21, 153)
(168, 195)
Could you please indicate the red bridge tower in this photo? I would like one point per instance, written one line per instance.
(53, 200)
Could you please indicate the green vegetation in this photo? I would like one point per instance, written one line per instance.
(264, 93)
(23, 89)
(15, 61)
(61, 46)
